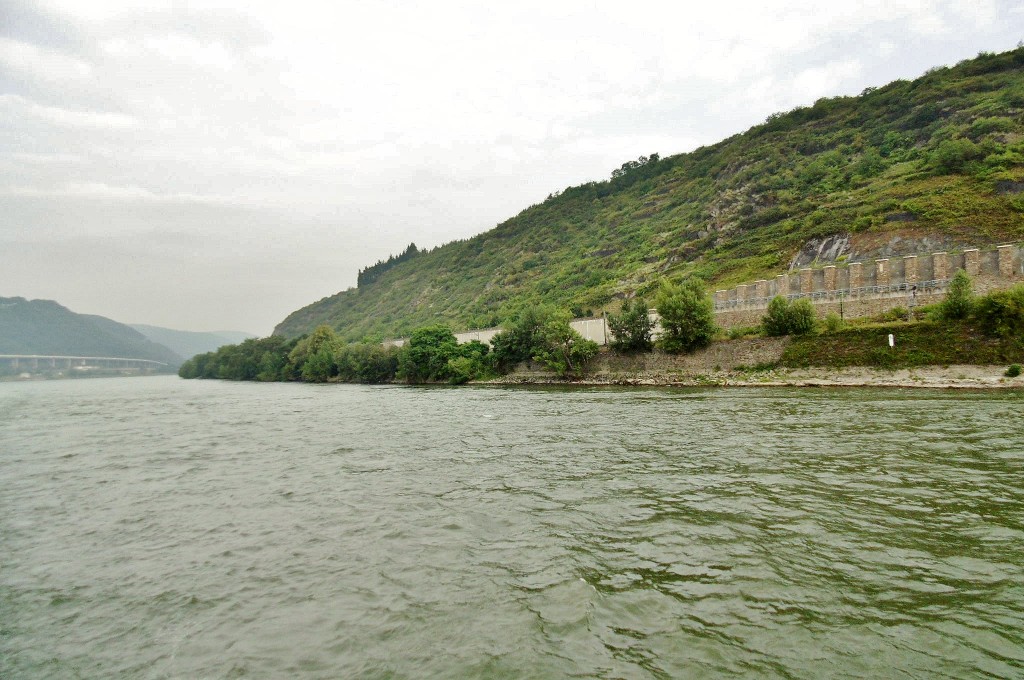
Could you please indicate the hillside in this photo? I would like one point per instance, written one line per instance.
(937, 162)
(46, 328)
(190, 343)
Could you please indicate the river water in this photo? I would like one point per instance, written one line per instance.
(161, 528)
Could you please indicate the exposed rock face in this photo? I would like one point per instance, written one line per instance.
(867, 247)
(899, 246)
(826, 249)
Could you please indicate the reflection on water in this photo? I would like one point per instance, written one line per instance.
(163, 528)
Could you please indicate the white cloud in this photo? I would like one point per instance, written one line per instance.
(102, 191)
(18, 106)
(35, 63)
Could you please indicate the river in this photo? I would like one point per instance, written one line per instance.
(161, 528)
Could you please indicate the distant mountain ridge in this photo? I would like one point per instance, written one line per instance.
(190, 343)
(44, 327)
(937, 161)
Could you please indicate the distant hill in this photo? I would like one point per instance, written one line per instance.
(47, 328)
(933, 163)
(189, 343)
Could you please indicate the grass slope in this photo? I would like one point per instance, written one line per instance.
(941, 155)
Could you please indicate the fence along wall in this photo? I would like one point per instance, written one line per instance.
(853, 290)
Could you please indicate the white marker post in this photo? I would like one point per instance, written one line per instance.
(892, 340)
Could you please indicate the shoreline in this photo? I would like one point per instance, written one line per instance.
(954, 377)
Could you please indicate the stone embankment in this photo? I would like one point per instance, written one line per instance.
(752, 362)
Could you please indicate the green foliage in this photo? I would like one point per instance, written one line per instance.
(922, 343)
(1013, 370)
(631, 328)
(954, 155)
(801, 317)
(959, 298)
(776, 319)
(788, 318)
(312, 359)
(366, 362)
(1001, 313)
(374, 272)
(687, 316)
(425, 357)
(542, 333)
(264, 359)
(522, 337)
(833, 323)
(728, 213)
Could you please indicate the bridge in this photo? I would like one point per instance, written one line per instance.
(36, 361)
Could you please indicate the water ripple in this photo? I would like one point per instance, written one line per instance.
(157, 528)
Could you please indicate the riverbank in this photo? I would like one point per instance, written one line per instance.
(934, 377)
(762, 361)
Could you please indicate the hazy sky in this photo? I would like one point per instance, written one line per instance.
(203, 168)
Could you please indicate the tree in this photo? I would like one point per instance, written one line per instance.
(776, 319)
(561, 348)
(521, 337)
(959, 298)
(687, 316)
(631, 327)
(321, 343)
(425, 357)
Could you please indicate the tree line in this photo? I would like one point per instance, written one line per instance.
(542, 334)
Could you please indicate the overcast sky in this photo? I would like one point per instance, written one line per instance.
(202, 168)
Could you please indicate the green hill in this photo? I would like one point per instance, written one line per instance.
(46, 328)
(937, 162)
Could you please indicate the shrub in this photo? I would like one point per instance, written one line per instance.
(1013, 371)
(785, 318)
(801, 317)
(687, 316)
(953, 155)
(631, 327)
(833, 322)
(776, 321)
(1001, 313)
(959, 298)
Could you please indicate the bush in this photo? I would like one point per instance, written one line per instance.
(631, 327)
(833, 322)
(801, 317)
(1001, 314)
(953, 155)
(959, 298)
(1013, 371)
(687, 316)
(776, 321)
(786, 318)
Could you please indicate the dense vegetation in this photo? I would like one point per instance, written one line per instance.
(960, 330)
(431, 355)
(940, 155)
(47, 328)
